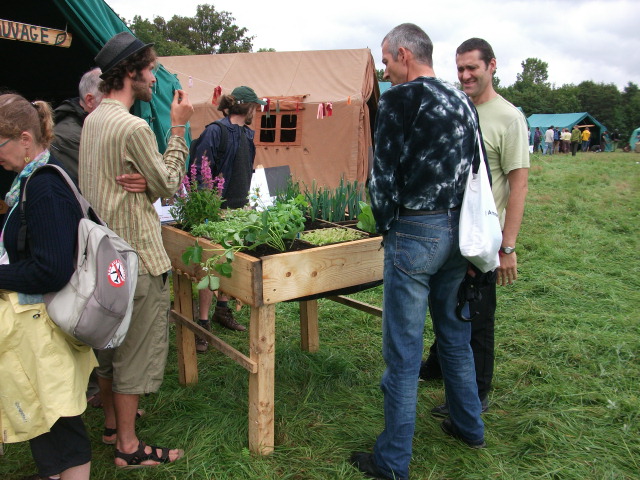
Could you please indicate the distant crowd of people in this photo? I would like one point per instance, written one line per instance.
(555, 141)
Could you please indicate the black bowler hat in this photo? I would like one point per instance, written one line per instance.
(119, 47)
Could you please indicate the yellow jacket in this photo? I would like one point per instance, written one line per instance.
(43, 372)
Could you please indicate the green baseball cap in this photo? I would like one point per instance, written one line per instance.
(246, 95)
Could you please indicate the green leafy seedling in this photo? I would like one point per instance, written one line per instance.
(366, 221)
(192, 254)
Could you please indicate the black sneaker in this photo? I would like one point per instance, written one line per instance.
(364, 462)
(448, 428)
(442, 411)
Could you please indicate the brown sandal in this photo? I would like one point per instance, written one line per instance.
(135, 459)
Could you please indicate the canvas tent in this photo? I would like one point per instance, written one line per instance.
(52, 73)
(566, 120)
(301, 87)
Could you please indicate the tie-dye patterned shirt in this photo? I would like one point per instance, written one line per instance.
(425, 142)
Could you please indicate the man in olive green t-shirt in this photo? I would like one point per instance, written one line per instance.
(504, 132)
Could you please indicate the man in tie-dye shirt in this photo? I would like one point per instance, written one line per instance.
(426, 139)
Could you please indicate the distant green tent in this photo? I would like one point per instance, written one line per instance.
(54, 72)
(566, 120)
(384, 86)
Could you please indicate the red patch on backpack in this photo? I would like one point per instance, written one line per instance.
(117, 273)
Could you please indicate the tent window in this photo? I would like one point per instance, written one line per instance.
(288, 128)
(268, 129)
(279, 129)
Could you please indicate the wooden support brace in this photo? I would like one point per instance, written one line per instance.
(262, 344)
(309, 333)
(215, 342)
(185, 340)
(364, 307)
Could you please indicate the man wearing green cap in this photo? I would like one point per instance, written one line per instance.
(236, 166)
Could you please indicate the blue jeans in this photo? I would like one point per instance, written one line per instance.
(548, 148)
(423, 268)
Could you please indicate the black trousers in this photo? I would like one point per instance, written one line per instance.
(66, 445)
(574, 148)
(482, 336)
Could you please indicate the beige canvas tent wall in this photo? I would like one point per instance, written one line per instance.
(295, 83)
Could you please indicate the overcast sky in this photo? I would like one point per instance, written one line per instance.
(579, 39)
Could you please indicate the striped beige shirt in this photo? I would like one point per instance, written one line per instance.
(113, 143)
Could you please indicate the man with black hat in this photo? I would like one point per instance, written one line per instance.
(116, 143)
(236, 166)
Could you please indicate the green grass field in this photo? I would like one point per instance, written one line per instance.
(565, 403)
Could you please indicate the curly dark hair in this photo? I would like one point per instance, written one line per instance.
(229, 106)
(114, 78)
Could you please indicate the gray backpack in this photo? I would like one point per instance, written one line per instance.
(95, 306)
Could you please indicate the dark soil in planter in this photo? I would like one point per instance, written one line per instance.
(317, 224)
(265, 250)
(347, 223)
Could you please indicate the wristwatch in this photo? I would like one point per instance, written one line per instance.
(507, 250)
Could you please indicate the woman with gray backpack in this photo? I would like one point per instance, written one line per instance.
(43, 371)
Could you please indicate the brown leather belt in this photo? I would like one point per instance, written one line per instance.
(407, 212)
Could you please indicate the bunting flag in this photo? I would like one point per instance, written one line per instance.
(348, 100)
(268, 108)
(329, 107)
(277, 106)
(216, 94)
(320, 111)
(190, 81)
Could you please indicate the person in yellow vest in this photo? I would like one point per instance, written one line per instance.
(586, 135)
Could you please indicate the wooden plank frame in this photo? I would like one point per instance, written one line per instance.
(261, 283)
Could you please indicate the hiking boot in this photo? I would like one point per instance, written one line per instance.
(442, 411)
(448, 428)
(224, 317)
(201, 344)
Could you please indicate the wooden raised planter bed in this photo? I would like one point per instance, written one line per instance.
(261, 283)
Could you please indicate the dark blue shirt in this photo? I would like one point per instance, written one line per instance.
(52, 214)
(425, 142)
(210, 139)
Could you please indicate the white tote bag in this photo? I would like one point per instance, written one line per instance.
(480, 232)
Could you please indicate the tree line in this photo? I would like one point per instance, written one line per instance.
(533, 92)
(208, 32)
(211, 32)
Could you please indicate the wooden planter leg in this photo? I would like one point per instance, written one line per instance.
(262, 346)
(309, 336)
(185, 339)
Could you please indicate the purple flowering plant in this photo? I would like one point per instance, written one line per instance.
(199, 199)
